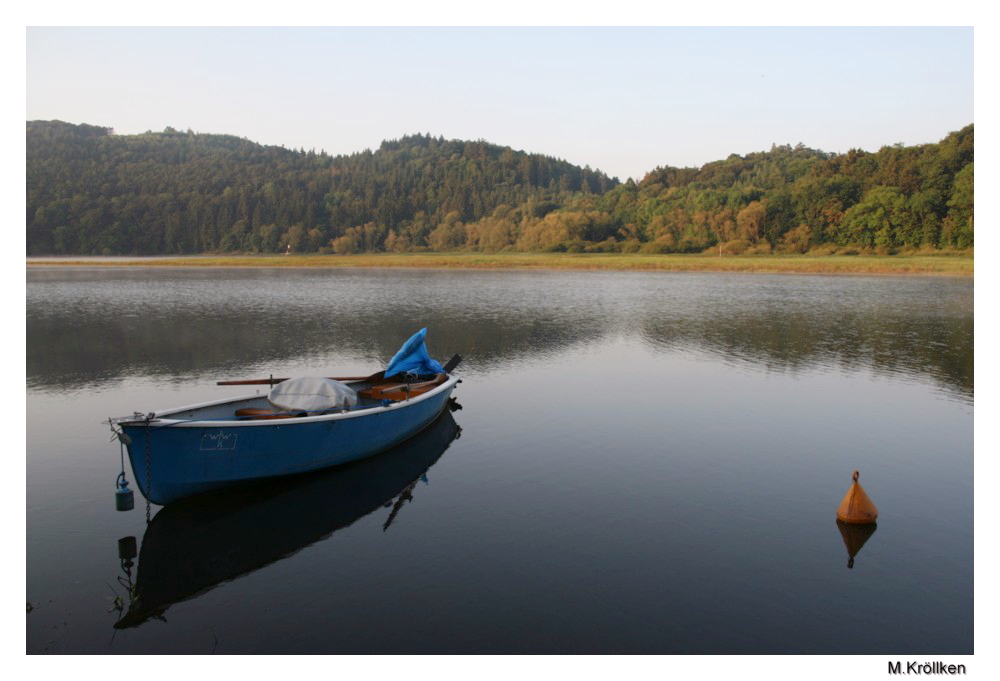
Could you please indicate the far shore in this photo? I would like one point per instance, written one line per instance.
(955, 265)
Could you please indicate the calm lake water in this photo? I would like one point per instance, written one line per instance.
(643, 463)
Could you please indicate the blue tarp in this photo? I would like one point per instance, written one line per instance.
(413, 358)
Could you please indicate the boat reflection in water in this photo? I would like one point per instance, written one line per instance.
(854, 537)
(192, 546)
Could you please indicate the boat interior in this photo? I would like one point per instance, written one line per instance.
(370, 393)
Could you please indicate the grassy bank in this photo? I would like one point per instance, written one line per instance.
(961, 265)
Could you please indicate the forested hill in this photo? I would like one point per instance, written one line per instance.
(90, 191)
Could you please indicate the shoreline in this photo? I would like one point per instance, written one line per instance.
(946, 265)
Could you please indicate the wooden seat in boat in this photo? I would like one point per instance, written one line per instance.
(253, 413)
(400, 390)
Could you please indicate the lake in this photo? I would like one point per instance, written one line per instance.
(642, 463)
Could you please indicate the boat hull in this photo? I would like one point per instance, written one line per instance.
(186, 458)
(192, 546)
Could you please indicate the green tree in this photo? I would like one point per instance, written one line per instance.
(960, 208)
(874, 221)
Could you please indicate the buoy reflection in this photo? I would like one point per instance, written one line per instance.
(855, 537)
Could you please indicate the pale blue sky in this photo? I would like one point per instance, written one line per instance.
(624, 100)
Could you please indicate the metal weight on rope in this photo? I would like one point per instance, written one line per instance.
(124, 498)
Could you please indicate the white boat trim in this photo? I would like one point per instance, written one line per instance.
(160, 422)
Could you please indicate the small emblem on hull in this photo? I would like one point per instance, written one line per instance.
(218, 441)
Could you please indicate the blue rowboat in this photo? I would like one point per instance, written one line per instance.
(196, 544)
(302, 425)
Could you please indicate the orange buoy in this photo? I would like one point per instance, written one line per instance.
(857, 508)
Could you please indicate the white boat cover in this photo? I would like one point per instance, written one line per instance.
(312, 393)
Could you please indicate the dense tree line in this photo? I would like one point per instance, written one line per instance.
(90, 191)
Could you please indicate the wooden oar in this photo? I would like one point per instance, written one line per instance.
(271, 381)
(378, 375)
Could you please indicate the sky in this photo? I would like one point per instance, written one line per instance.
(624, 100)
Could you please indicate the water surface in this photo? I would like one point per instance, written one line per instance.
(647, 463)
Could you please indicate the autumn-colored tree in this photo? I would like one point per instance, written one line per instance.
(797, 240)
(449, 235)
(294, 238)
(750, 221)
